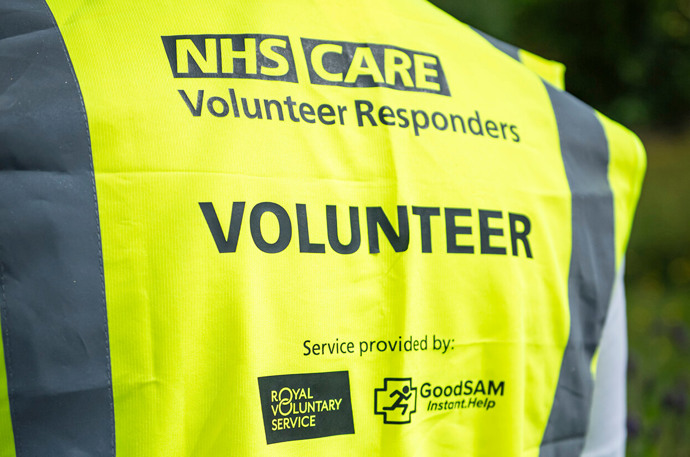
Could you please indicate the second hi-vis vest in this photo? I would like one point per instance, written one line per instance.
(297, 229)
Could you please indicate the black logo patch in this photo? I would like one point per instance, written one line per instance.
(306, 406)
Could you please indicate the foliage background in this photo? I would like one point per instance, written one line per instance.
(630, 59)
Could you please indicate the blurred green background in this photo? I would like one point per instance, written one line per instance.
(630, 59)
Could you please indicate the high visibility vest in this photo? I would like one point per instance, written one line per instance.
(298, 228)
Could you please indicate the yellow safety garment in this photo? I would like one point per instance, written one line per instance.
(310, 228)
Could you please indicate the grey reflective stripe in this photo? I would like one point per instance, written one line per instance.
(509, 49)
(585, 153)
(52, 301)
(584, 149)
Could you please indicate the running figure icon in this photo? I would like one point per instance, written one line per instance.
(399, 401)
(396, 401)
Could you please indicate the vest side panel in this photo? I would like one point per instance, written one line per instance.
(54, 326)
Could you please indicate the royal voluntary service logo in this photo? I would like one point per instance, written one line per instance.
(306, 406)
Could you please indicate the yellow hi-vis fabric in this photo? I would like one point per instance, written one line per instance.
(329, 228)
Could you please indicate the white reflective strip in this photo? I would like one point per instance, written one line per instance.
(607, 431)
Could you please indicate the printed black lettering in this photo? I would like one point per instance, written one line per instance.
(416, 125)
(305, 245)
(255, 56)
(278, 107)
(401, 112)
(453, 230)
(503, 130)
(486, 232)
(332, 226)
(195, 110)
(225, 109)
(257, 109)
(386, 112)
(186, 52)
(280, 65)
(348, 64)
(453, 117)
(397, 64)
(246, 55)
(490, 224)
(513, 130)
(233, 102)
(495, 389)
(318, 56)
(336, 347)
(361, 113)
(445, 121)
(425, 390)
(284, 232)
(290, 104)
(479, 389)
(377, 218)
(363, 64)
(490, 128)
(521, 235)
(307, 113)
(223, 244)
(341, 110)
(426, 67)
(477, 121)
(425, 214)
(326, 111)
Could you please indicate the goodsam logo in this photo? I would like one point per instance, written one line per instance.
(306, 406)
(396, 401)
